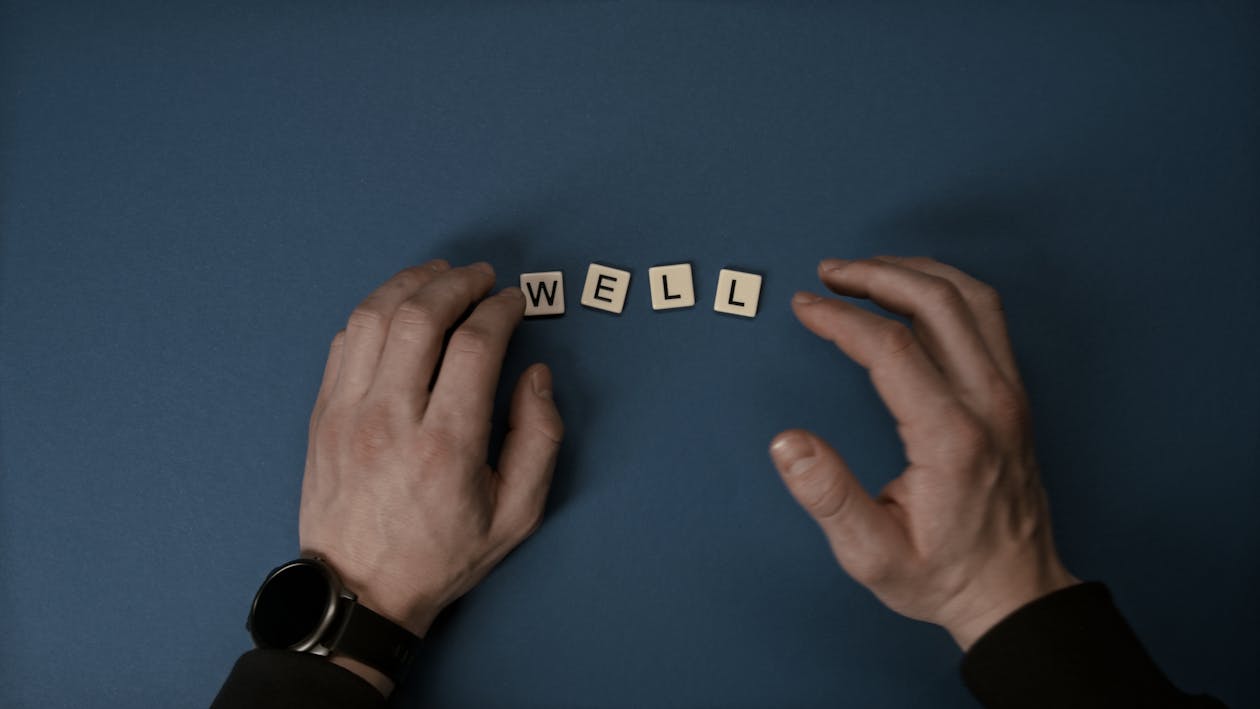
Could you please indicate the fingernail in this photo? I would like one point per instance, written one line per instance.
(483, 267)
(831, 264)
(805, 298)
(793, 453)
(512, 292)
(541, 381)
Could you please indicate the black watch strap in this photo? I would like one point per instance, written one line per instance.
(374, 640)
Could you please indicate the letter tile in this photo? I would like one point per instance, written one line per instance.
(606, 288)
(544, 293)
(671, 286)
(737, 293)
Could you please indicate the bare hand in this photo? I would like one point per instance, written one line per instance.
(397, 495)
(962, 537)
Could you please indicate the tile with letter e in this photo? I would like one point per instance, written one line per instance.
(606, 288)
(544, 293)
(671, 286)
(737, 293)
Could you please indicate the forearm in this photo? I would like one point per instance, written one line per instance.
(274, 679)
(1069, 648)
(370, 675)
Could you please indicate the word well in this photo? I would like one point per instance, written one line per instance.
(671, 286)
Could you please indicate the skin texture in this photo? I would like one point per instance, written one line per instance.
(962, 537)
(398, 496)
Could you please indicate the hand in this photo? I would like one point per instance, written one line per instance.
(962, 537)
(397, 496)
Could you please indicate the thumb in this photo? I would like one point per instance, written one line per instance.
(864, 537)
(528, 458)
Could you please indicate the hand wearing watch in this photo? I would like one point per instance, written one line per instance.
(302, 606)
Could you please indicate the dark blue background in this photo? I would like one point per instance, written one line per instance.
(192, 200)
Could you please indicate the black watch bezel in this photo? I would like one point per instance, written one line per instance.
(345, 626)
(312, 641)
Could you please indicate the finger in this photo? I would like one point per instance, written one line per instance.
(528, 459)
(331, 367)
(865, 537)
(985, 305)
(463, 395)
(368, 326)
(953, 337)
(416, 332)
(911, 386)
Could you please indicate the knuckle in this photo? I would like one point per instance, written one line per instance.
(366, 316)
(967, 437)
(986, 473)
(549, 426)
(554, 430)
(552, 433)
(895, 339)
(866, 269)
(373, 432)
(943, 294)
(503, 309)
(472, 340)
(987, 297)
(924, 264)
(439, 446)
(827, 498)
(327, 426)
(409, 278)
(1005, 401)
(416, 315)
(1009, 408)
(914, 263)
(465, 281)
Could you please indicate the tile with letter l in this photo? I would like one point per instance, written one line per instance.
(737, 293)
(671, 286)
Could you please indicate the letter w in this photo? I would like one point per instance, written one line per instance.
(534, 295)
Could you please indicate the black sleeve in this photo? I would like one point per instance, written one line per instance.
(1071, 648)
(280, 679)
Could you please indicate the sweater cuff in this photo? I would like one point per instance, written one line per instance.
(282, 679)
(1068, 648)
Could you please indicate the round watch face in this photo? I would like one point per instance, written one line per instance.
(293, 607)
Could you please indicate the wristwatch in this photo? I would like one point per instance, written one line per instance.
(302, 606)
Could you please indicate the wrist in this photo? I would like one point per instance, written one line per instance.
(304, 605)
(416, 617)
(1006, 597)
(370, 674)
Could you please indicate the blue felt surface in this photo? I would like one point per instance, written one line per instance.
(193, 198)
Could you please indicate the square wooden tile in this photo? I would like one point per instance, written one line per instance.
(544, 293)
(606, 288)
(672, 286)
(737, 293)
